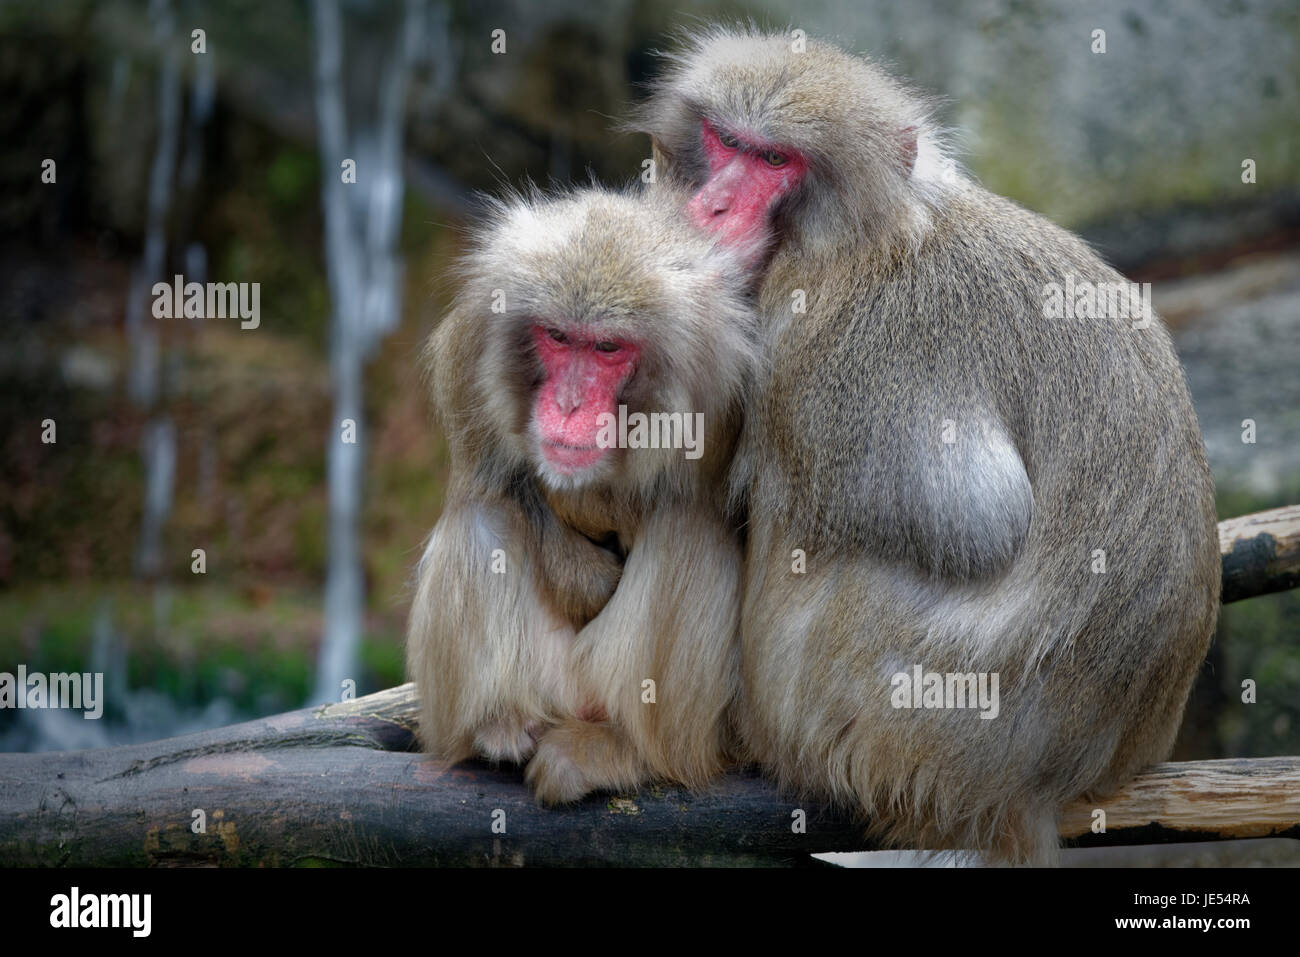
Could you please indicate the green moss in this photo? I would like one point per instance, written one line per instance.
(1258, 643)
(382, 656)
(1233, 500)
(293, 177)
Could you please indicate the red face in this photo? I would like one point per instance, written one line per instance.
(746, 179)
(583, 378)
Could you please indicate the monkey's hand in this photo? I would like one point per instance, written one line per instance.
(578, 574)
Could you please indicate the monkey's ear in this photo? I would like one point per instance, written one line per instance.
(907, 148)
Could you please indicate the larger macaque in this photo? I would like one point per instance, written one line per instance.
(941, 478)
(578, 600)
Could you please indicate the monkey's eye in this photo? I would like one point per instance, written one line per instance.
(727, 140)
(606, 346)
(773, 158)
(557, 335)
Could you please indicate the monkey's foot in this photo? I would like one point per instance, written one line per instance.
(512, 738)
(575, 758)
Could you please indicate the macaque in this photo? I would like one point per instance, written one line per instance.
(959, 483)
(577, 602)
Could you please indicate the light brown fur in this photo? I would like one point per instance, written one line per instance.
(633, 577)
(924, 305)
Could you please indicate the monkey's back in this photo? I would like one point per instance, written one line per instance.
(977, 488)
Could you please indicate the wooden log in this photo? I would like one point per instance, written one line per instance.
(1197, 800)
(1261, 553)
(342, 784)
(338, 785)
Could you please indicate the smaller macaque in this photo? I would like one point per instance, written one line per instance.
(577, 602)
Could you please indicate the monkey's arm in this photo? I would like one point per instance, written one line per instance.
(659, 661)
(578, 575)
(489, 655)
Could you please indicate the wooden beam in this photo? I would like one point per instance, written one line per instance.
(1261, 553)
(342, 784)
(338, 785)
(1197, 800)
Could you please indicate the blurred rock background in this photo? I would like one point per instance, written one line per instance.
(1140, 148)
